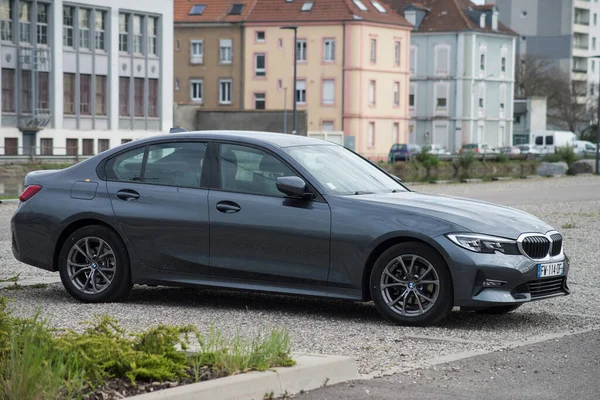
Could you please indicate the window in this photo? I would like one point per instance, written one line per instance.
(373, 50)
(124, 84)
(328, 95)
(88, 147)
(259, 101)
(85, 93)
(329, 50)
(502, 100)
(595, 19)
(8, 90)
(539, 141)
(176, 83)
(503, 64)
(413, 60)
(411, 96)
(11, 146)
(301, 50)
(152, 32)
(301, 92)
(503, 60)
(225, 51)
(68, 19)
(153, 98)
(371, 135)
(397, 53)
(25, 91)
(593, 43)
(124, 141)
(327, 126)
(43, 91)
(523, 13)
(372, 93)
(175, 164)
(177, 45)
(197, 9)
(100, 95)
(69, 93)
(378, 6)
(24, 23)
(126, 166)
(103, 145)
(225, 91)
(549, 140)
(442, 60)
(481, 98)
(72, 147)
(279, 84)
(196, 86)
(307, 6)
(249, 170)
(396, 94)
(280, 43)
(196, 52)
(260, 36)
(84, 28)
(395, 132)
(360, 5)
(482, 53)
(47, 146)
(6, 20)
(137, 34)
(138, 97)
(236, 9)
(123, 33)
(100, 31)
(517, 119)
(260, 67)
(441, 98)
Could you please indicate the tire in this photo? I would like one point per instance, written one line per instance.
(419, 312)
(499, 310)
(100, 278)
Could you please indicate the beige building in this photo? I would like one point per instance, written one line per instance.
(352, 73)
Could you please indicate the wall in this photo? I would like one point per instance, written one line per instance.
(211, 70)
(360, 71)
(280, 67)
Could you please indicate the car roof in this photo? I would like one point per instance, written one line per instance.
(255, 137)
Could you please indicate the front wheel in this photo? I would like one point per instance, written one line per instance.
(94, 265)
(410, 284)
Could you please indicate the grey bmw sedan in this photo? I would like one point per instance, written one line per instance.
(279, 213)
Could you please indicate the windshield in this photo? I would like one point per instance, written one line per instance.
(342, 172)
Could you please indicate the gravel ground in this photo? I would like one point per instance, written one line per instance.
(355, 329)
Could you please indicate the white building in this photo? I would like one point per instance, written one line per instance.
(81, 77)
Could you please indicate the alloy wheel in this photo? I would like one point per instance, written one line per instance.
(410, 285)
(91, 265)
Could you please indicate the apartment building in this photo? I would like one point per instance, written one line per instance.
(461, 73)
(352, 67)
(566, 32)
(81, 77)
(208, 53)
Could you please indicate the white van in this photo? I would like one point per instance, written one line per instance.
(584, 148)
(550, 141)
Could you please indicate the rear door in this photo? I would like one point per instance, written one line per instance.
(159, 194)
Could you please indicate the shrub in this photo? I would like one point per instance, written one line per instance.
(502, 158)
(428, 161)
(565, 154)
(464, 161)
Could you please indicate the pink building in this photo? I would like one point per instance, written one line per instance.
(353, 68)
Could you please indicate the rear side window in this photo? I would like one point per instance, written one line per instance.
(539, 141)
(549, 140)
(175, 164)
(126, 166)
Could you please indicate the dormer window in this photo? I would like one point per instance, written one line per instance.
(411, 17)
(307, 6)
(482, 20)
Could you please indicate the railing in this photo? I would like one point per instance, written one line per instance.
(42, 154)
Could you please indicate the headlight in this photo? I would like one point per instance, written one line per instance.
(484, 243)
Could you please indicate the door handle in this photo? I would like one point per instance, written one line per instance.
(228, 207)
(128, 195)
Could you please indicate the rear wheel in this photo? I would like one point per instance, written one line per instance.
(94, 265)
(410, 285)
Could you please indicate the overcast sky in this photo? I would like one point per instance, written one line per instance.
(478, 1)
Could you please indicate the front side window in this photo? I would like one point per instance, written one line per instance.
(175, 164)
(249, 170)
(341, 172)
(84, 28)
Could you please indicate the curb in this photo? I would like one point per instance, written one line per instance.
(471, 180)
(311, 371)
(8, 201)
(30, 282)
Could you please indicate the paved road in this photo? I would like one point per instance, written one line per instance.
(567, 368)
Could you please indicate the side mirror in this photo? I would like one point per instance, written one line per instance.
(293, 186)
(396, 178)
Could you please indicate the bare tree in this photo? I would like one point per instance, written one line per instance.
(532, 76)
(567, 102)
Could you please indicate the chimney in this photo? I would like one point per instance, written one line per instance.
(495, 19)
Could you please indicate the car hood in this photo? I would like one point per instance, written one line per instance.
(473, 215)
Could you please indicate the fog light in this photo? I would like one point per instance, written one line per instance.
(493, 283)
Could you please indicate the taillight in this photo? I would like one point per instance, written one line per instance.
(477, 150)
(29, 192)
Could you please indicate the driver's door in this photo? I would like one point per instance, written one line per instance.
(258, 233)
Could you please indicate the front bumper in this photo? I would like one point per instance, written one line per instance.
(515, 276)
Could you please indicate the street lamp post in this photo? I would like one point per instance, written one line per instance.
(598, 132)
(295, 29)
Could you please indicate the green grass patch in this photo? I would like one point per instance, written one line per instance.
(568, 226)
(14, 278)
(38, 362)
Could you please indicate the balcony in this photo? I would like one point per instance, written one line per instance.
(581, 28)
(577, 75)
(581, 51)
(582, 4)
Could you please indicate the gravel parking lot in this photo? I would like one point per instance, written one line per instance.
(355, 329)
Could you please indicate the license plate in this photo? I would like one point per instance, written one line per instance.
(552, 269)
